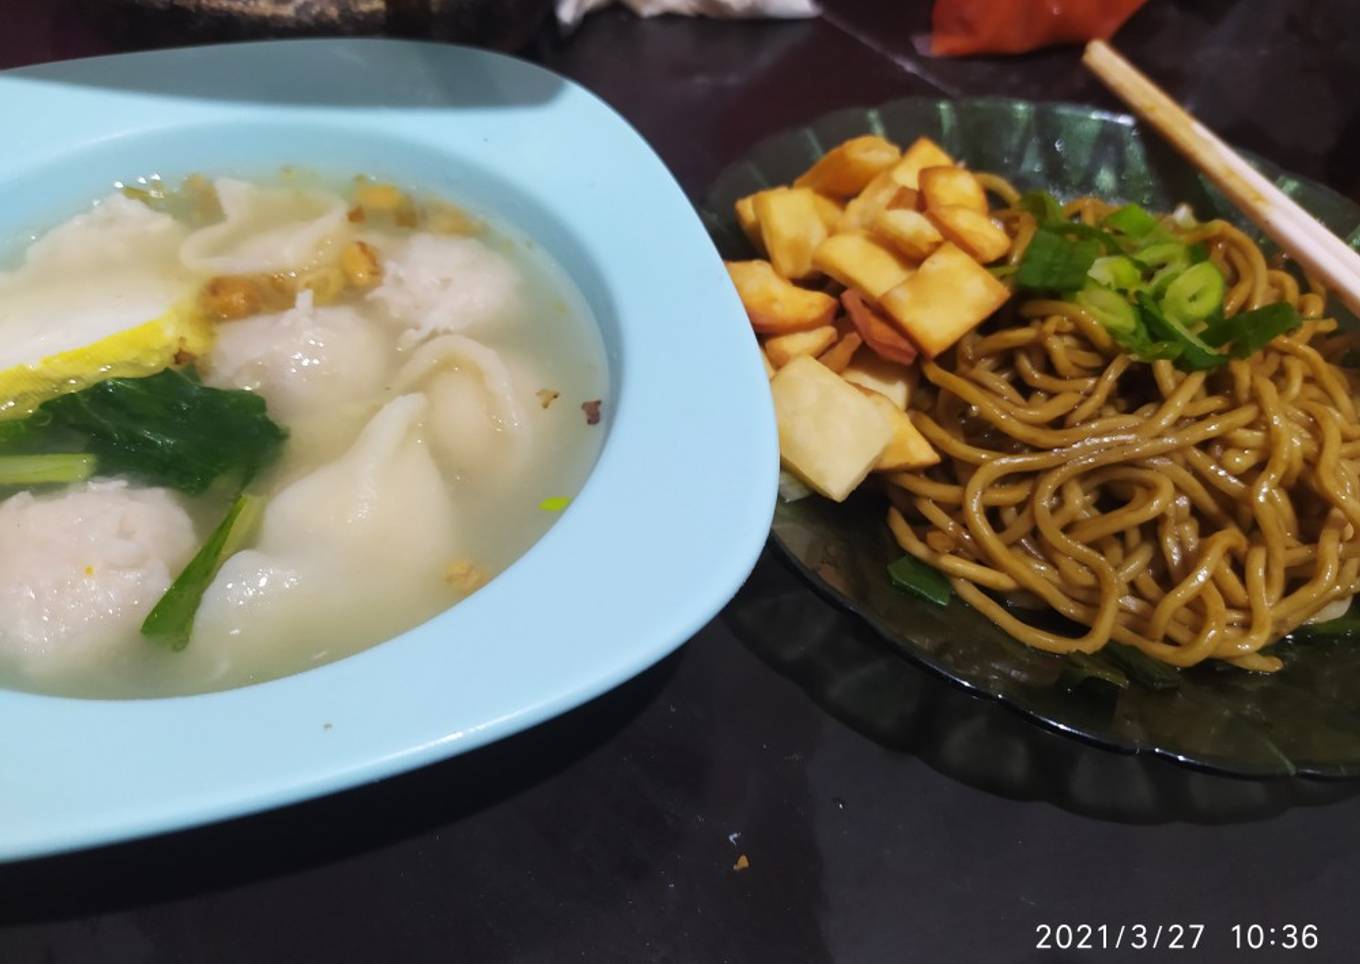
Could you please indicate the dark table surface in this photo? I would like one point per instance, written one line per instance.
(947, 831)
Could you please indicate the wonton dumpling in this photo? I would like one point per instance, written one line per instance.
(117, 230)
(440, 283)
(307, 362)
(81, 568)
(266, 229)
(112, 268)
(346, 555)
(476, 420)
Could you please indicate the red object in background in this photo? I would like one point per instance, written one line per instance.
(962, 27)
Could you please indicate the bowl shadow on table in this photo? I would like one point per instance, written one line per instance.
(843, 664)
(296, 838)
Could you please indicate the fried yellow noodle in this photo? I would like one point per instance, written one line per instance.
(1193, 515)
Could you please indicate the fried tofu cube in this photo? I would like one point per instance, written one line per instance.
(878, 195)
(776, 306)
(828, 210)
(856, 261)
(952, 187)
(790, 228)
(890, 379)
(910, 233)
(908, 448)
(830, 435)
(840, 355)
(948, 296)
(906, 199)
(782, 349)
(975, 233)
(921, 154)
(845, 169)
(750, 224)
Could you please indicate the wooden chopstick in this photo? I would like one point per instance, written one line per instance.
(1303, 237)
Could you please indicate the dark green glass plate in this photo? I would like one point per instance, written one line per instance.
(1303, 720)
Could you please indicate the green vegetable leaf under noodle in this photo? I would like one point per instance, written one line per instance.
(1042, 205)
(910, 574)
(1346, 626)
(1141, 667)
(172, 619)
(1083, 666)
(165, 429)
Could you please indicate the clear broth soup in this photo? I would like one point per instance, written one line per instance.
(438, 378)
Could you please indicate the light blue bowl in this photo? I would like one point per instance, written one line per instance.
(664, 532)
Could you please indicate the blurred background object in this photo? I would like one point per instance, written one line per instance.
(501, 24)
(963, 27)
(570, 12)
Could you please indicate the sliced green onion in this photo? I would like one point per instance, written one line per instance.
(172, 619)
(1168, 259)
(1250, 331)
(1109, 244)
(1195, 295)
(1150, 351)
(911, 575)
(25, 470)
(1131, 220)
(1055, 263)
(1117, 271)
(1194, 354)
(1110, 308)
(1161, 254)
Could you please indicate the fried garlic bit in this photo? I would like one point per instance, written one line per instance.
(359, 262)
(230, 297)
(384, 200)
(326, 284)
(375, 198)
(204, 206)
(444, 218)
(546, 396)
(465, 576)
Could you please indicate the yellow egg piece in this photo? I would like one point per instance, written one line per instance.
(132, 353)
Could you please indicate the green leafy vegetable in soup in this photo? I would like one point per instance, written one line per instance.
(170, 622)
(166, 429)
